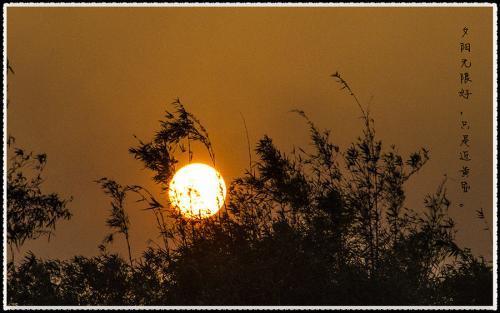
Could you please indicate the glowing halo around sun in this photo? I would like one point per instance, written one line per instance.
(197, 191)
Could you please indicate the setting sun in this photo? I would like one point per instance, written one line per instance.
(197, 190)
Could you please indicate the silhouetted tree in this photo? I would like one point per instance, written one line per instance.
(118, 219)
(30, 212)
(317, 226)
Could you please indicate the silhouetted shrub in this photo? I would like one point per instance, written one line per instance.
(319, 227)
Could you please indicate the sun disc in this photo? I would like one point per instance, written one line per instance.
(197, 191)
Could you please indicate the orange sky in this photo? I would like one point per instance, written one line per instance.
(87, 79)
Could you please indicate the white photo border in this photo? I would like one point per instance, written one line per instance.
(284, 4)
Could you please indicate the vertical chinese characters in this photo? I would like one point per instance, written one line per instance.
(465, 94)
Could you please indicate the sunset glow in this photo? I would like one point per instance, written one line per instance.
(197, 190)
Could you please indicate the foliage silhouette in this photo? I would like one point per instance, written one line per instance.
(318, 227)
(30, 213)
(118, 219)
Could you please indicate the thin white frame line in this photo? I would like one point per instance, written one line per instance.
(278, 5)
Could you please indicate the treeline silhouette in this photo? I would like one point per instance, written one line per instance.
(316, 226)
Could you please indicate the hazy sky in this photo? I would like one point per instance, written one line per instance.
(87, 79)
